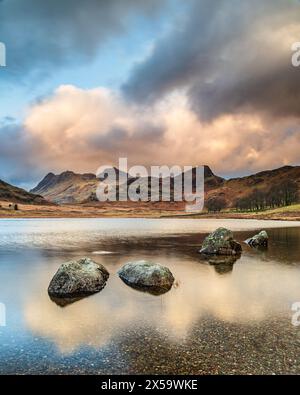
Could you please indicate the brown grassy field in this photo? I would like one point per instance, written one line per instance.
(136, 210)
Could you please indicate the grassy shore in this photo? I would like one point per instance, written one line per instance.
(137, 211)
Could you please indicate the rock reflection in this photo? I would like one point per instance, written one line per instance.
(223, 265)
(223, 268)
(90, 322)
(156, 291)
(63, 302)
(254, 290)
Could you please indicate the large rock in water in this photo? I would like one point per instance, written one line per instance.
(221, 242)
(259, 240)
(78, 278)
(147, 276)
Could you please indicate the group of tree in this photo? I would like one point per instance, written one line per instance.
(281, 194)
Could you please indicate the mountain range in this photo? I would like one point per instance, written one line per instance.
(72, 188)
(69, 187)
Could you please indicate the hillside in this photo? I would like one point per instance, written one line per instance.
(236, 188)
(10, 193)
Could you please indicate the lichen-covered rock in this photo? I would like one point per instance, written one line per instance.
(147, 276)
(221, 242)
(259, 240)
(78, 278)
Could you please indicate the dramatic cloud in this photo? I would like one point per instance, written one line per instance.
(80, 130)
(218, 88)
(231, 56)
(49, 33)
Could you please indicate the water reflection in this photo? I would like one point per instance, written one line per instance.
(251, 292)
(259, 286)
(69, 233)
(221, 264)
(223, 268)
(155, 291)
(63, 302)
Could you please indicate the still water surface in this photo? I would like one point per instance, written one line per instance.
(216, 319)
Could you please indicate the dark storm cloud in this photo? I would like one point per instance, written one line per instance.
(231, 56)
(39, 34)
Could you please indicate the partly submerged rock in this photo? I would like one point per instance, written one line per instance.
(221, 242)
(259, 240)
(78, 278)
(147, 276)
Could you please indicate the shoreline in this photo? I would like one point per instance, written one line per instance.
(291, 213)
(150, 215)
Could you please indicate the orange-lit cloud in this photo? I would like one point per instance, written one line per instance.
(80, 129)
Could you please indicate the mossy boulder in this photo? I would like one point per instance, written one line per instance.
(221, 242)
(78, 278)
(147, 276)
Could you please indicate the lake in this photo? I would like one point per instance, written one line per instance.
(217, 319)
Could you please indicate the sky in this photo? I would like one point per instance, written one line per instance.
(161, 82)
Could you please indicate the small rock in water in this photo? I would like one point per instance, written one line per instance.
(78, 278)
(147, 276)
(221, 242)
(259, 240)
